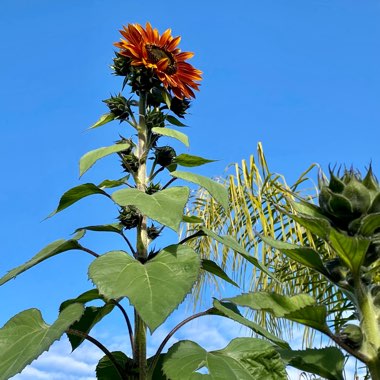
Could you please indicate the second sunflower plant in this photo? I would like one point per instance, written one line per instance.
(150, 198)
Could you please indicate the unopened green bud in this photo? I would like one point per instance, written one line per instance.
(352, 335)
(129, 217)
(165, 155)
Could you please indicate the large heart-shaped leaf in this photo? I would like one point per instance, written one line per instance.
(165, 206)
(155, 288)
(50, 250)
(89, 159)
(26, 336)
(327, 362)
(242, 359)
(216, 190)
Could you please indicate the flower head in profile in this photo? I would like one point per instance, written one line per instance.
(160, 53)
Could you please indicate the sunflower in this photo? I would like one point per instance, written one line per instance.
(145, 47)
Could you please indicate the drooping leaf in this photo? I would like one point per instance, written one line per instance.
(165, 206)
(351, 249)
(216, 190)
(213, 268)
(173, 120)
(191, 161)
(229, 310)
(166, 96)
(105, 370)
(172, 133)
(242, 359)
(230, 242)
(318, 226)
(75, 194)
(104, 119)
(50, 250)
(306, 208)
(155, 288)
(327, 362)
(85, 297)
(91, 316)
(192, 219)
(300, 308)
(26, 336)
(303, 255)
(90, 158)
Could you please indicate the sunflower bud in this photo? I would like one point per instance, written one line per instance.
(119, 106)
(153, 188)
(179, 106)
(165, 155)
(129, 217)
(129, 161)
(153, 232)
(121, 65)
(352, 335)
(347, 199)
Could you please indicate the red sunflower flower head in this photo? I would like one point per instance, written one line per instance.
(160, 53)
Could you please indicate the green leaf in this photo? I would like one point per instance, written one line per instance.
(230, 311)
(91, 316)
(351, 249)
(155, 288)
(300, 308)
(230, 242)
(192, 219)
(191, 161)
(303, 255)
(89, 159)
(50, 250)
(26, 336)
(306, 208)
(105, 370)
(213, 268)
(173, 120)
(75, 194)
(242, 359)
(114, 227)
(216, 190)
(104, 119)
(165, 206)
(318, 226)
(167, 98)
(172, 133)
(327, 362)
(107, 183)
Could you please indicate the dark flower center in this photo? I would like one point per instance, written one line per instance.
(156, 53)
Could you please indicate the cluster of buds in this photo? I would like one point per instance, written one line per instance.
(129, 161)
(129, 217)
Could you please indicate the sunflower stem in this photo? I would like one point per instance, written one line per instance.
(139, 354)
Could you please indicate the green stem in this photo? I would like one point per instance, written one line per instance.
(139, 354)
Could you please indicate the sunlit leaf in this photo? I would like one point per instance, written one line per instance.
(191, 161)
(168, 132)
(242, 359)
(26, 336)
(165, 206)
(155, 288)
(104, 119)
(216, 190)
(90, 158)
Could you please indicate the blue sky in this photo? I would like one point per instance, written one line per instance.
(300, 76)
